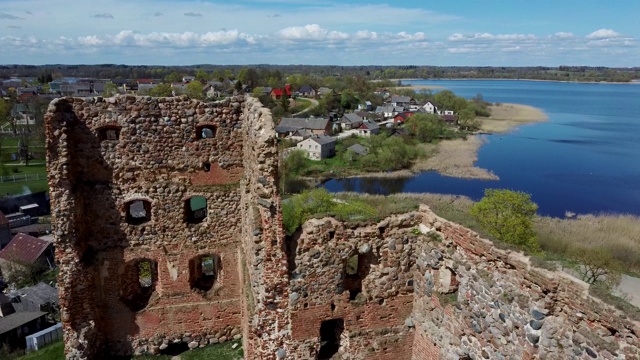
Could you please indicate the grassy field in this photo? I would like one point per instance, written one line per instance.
(19, 170)
(218, 352)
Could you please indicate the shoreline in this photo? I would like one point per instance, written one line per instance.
(457, 158)
(537, 80)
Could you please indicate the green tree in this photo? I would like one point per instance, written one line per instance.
(249, 76)
(426, 127)
(296, 162)
(110, 89)
(173, 77)
(467, 119)
(508, 216)
(201, 74)
(161, 90)
(195, 90)
(5, 115)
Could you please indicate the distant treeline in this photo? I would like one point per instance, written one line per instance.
(111, 71)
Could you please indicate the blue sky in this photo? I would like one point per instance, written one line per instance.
(356, 32)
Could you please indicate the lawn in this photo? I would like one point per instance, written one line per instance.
(20, 186)
(218, 351)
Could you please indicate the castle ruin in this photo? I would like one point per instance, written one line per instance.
(169, 234)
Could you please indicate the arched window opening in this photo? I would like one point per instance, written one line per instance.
(195, 209)
(139, 283)
(109, 133)
(138, 212)
(205, 131)
(204, 272)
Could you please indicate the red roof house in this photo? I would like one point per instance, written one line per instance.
(277, 93)
(24, 250)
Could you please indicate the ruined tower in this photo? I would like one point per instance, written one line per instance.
(163, 209)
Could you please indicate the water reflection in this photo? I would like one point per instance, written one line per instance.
(380, 186)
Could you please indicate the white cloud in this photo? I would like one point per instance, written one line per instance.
(489, 36)
(563, 35)
(603, 34)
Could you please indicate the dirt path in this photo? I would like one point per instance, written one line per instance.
(314, 103)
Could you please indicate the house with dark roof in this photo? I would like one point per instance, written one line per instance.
(358, 149)
(25, 250)
(15, 327)
(368, 128)
(404, 101)
(288, 126)
(39, 297)
(318, 147)
(5, 231)
(307, 91)
(350, 121)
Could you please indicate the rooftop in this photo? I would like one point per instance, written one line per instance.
(24, 248)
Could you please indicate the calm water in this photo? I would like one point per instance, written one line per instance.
(585, 159)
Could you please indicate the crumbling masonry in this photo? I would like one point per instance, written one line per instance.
(168, 227)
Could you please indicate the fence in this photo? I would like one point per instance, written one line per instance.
(22, 177)
(41, 338)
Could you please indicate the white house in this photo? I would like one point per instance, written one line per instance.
(430, 108)
(318, 147)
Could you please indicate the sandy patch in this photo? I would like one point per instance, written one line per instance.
(505, 117)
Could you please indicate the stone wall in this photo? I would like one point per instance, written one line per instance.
(130, 284)
(144, 269)
(476, 301)
(436, 290)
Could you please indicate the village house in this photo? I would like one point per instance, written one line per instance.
(388, 111)
(145, 85)
(322, 91)
(368, 128)
(430, 108)
(26, 251)
(403, 101)
(318, 147)
(350, 121)
(277, 94)
(401, 118)
(307, 91)
(318, 126)
(367, 106)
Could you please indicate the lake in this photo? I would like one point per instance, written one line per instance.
(585, 159)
